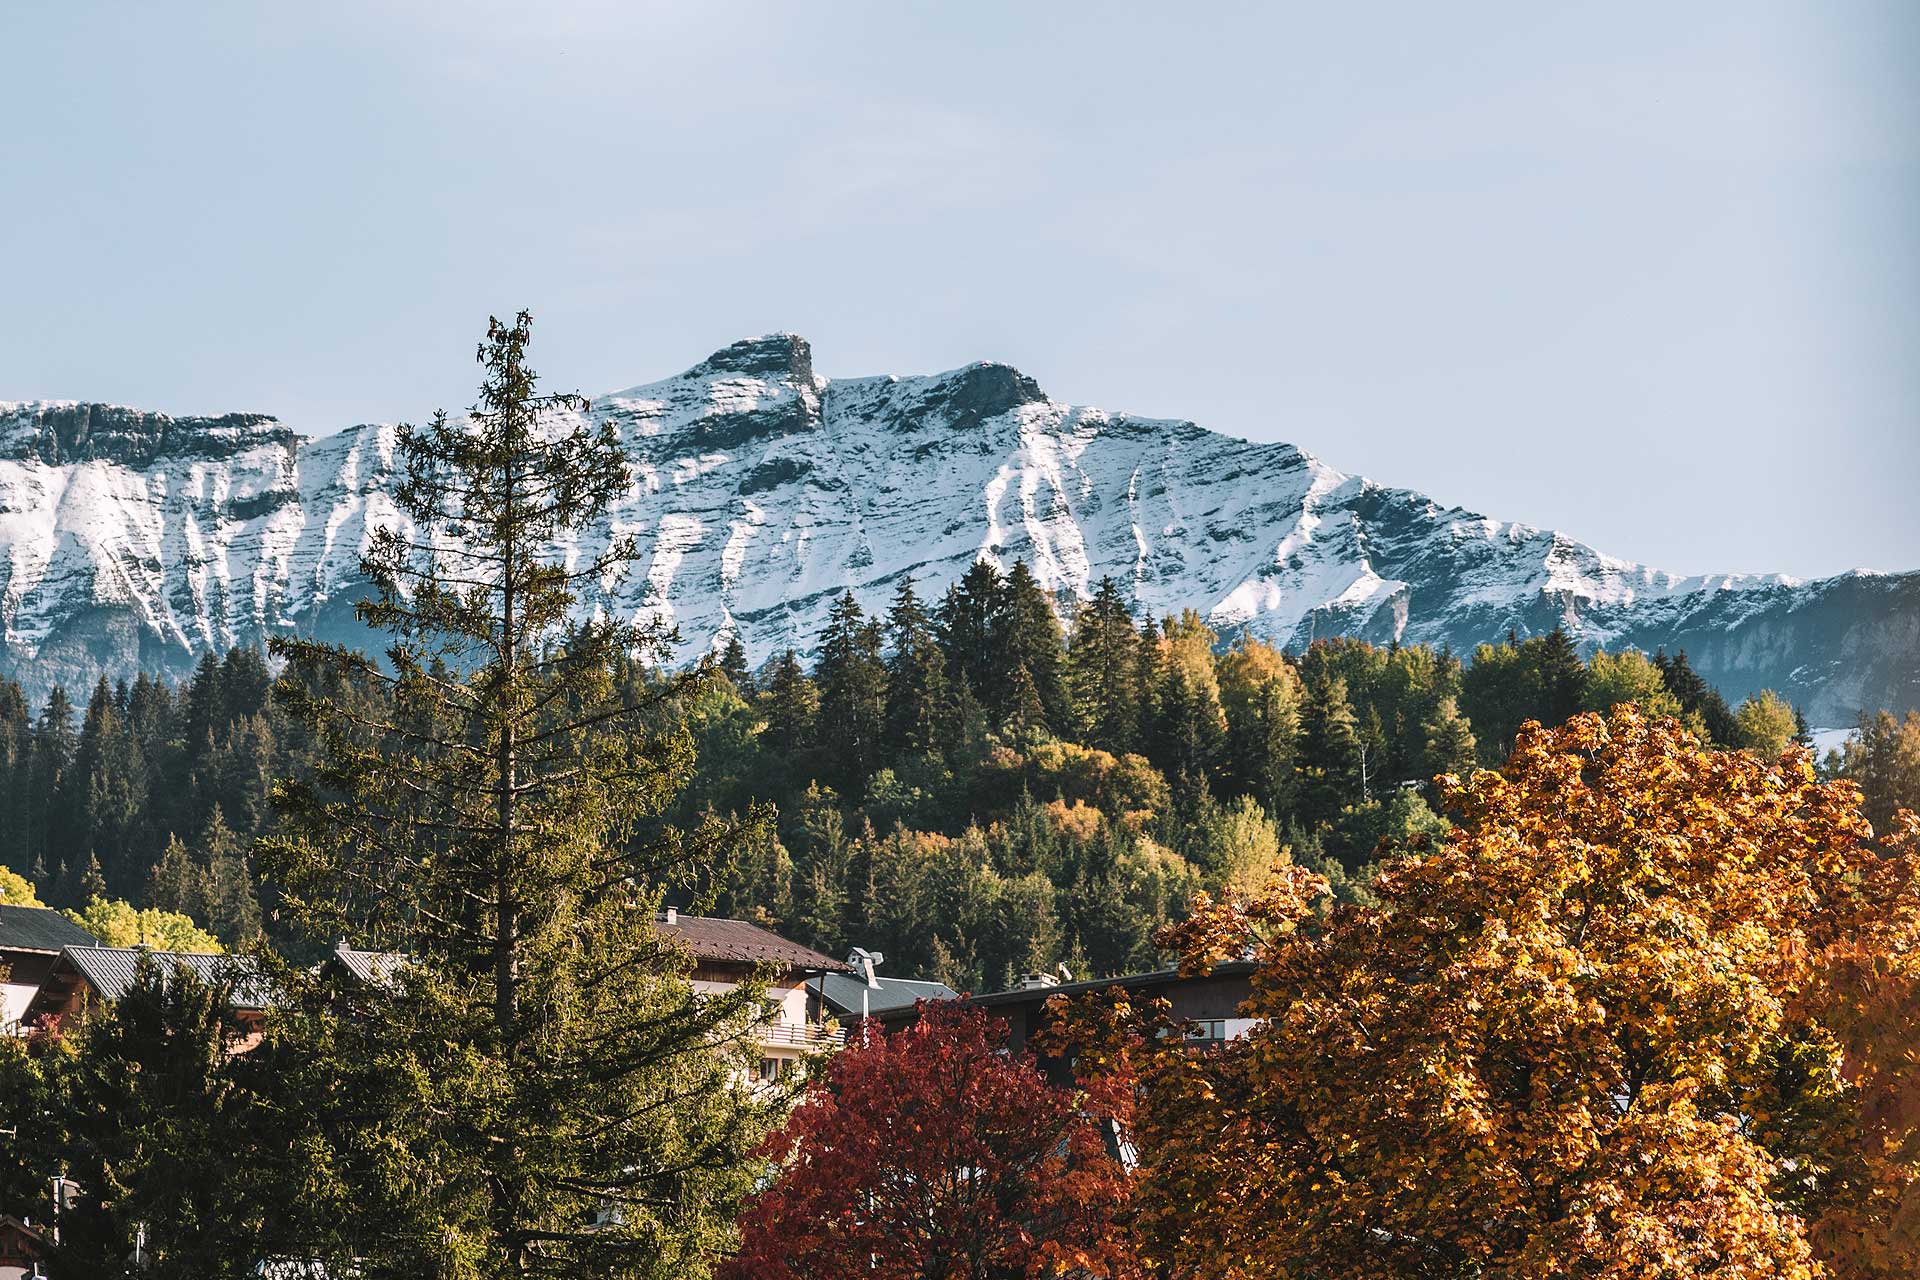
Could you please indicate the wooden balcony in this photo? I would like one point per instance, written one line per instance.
(811, 1036)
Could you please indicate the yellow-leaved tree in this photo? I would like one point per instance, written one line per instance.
(16, 890)
(1648, 1011)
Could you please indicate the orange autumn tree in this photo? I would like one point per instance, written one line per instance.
(1648, 1012)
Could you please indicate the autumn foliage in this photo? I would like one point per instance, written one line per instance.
(1649, 1011)
(932, 1154)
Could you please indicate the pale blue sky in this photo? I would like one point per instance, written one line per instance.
(1648, 273)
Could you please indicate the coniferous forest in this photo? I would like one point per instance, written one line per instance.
(963, 783)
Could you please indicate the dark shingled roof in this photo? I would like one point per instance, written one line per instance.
(111, 971)
(842, 993)
(39, 929)
(737, 942)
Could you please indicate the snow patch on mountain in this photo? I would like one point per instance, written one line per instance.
(761, 491)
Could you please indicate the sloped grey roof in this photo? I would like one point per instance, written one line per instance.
(39, 929)
(371, 967)
(112, 971)
(842, 993)
(736, 941)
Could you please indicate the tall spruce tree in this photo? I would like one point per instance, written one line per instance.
(1330, 752)
(1032, 639)
(1103, 672)
(916, 678)
(1700, 703)
(853, 696)
(546, 1095)
(1563, 678)
(733, 665)
(972, 627)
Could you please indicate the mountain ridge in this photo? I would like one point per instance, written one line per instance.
(134, 540)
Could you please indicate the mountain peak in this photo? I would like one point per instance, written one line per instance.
(131, 540)
(988, 389)
(786, 356)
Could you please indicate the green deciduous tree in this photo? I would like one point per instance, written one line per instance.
(1764, 723)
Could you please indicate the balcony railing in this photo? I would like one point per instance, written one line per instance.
(806, 1037)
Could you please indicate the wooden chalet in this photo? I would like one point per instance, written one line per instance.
(31, 939)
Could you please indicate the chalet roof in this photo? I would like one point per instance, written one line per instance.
(371, 967)
(714, 938)
(842, 993)
(112, 971)
(39, 929)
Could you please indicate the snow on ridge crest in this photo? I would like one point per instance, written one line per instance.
(762, 490)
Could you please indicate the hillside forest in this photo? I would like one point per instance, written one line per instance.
(963, 784)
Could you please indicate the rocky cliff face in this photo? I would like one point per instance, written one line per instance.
(132, 540)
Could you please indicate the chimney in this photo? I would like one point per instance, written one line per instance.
(1037, 981)
(865, 962)
(670, 916)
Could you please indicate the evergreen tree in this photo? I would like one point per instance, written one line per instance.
(229, 906)
(1449, 742)
(175, 883)
(733, 665)
(916, 678)
(972, 629)
(1563, 679)
(51, 806)
(1330, 752)
(791, 705)
(1700, 703)
(853, 696)
(1103, 672)
(546, 1095)
(16, 770)
(1033, 641)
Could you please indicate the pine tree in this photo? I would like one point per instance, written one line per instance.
(853, 696)
(175, 883)
(733, 665)
(1700, 702)
(1032, 639)
(1103, 672)
(229, 907)
(972, 629)
(917, 692)
(1330, 753)
(791, 705)
(16, 768)
(51, 806)
(1449, 742)
(545, 1094)
(1563, 679)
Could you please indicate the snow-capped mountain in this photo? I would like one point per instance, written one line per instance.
(135, 540)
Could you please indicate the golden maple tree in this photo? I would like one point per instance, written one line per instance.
(1648, 1012)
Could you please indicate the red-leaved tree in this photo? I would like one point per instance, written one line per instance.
(932, 1153)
